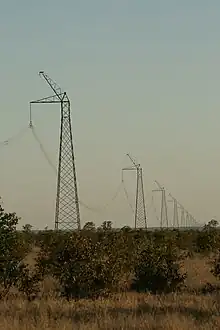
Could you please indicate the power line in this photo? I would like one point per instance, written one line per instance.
(186, 218)
(46, 156)
(15, 137)
(155, 210)
(126, 195)
(99, 210)
(42, 149)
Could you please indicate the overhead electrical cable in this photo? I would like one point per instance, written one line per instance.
(46, 156)
(155, 210)
(15, 137)
(43, 149)
(126, 193)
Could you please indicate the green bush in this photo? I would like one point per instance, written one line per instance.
(158, 268)
(29, 282)
(12, 252)
(215, 265)
(85, 268)
(208, 240)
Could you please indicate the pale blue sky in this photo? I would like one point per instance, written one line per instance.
(142, 76)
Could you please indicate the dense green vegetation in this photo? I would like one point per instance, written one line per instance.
(99, 262)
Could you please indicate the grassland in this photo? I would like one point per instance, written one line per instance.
(187, 310)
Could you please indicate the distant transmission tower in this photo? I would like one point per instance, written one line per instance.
(175, 212)
(67, 214)
(187, 219)
(182, 220)
(140, 218)
(163, 213)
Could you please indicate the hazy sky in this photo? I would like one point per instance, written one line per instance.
(142, 76)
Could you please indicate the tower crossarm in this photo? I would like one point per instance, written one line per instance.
(159, 185)
(49, 99)
(129, 168)
(57, 90)
(133, 162)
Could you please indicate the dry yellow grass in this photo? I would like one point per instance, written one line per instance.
(183, 311)
(130, 311)
(198, 270)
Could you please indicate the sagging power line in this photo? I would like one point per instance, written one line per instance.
(186, 219)
(67, 213)
(15, 137)
(96, 210)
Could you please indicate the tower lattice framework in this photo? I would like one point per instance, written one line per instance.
(67, 213)
(140, 209)
(164, 221)
(175, 212)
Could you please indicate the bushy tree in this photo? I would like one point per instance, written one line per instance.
(28, 237)
(12, 251)
(28, 281)
(89, 226)
(158, 268)
(208, 240)
(84, 267)
(106, 226)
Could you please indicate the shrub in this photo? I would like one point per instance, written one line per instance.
(158, 268)
(28, 282)
(85, 268)
(215, 263)
(208, 239)
(12, 252)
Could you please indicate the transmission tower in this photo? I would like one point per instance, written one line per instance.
(67, 213)
(140, 218)
(175, 212)
(182, 219)
(163, 212)
(187, 219)
(193, 220)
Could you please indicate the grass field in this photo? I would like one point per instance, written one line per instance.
(188, 310)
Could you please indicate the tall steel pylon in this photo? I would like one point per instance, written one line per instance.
(187, 219)
(183, 220)
(163, 212)
(140, 217)
(67, 213)
(175, 212)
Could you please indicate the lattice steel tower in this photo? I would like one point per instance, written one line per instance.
(164, 222)
(67, 213)
(175, 212)
(140, 217)
(183, 220)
